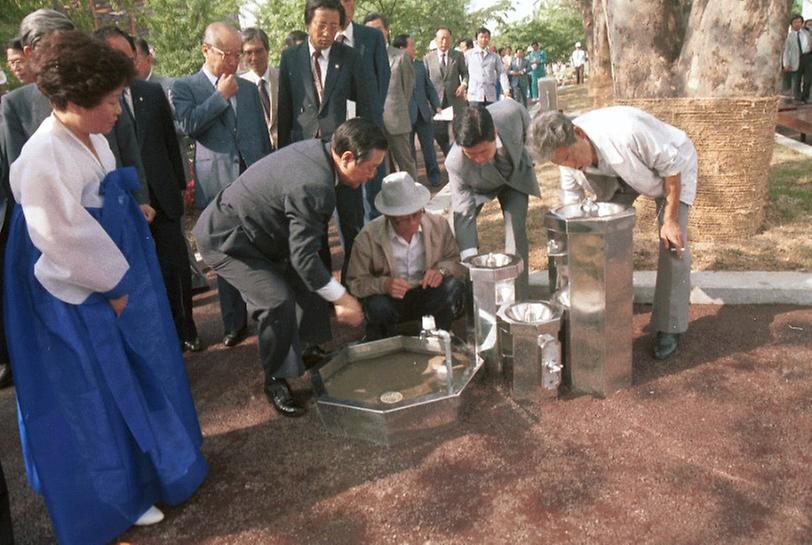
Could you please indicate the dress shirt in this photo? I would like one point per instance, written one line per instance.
(409, 257)
(324, 60)
(128, 98)
(213, 79)
(349, 36)
(636, 147)
(578, 58)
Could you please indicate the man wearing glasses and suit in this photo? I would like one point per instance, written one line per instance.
(222, 113)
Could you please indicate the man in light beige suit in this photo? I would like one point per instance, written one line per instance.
(255, 47)
(396, 120)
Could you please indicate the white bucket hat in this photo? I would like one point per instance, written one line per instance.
(400, 195)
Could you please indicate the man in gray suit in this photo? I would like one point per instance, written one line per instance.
(449, 75)
(263, 234)
(397, 124)
(489, 160)
(223, 114)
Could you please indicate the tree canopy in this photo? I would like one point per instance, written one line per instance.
(555, 25)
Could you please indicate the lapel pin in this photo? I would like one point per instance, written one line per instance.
(336, 67)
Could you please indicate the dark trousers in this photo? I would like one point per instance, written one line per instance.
(425, 134)
(477, 103)
(805, 69)
(232, 307)
(6, 534)
(445, 302)
(173, 258)
(349, 219)
(443, 135)
(579, 75)
(287, 313)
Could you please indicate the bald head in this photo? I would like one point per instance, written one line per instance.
(221, 48)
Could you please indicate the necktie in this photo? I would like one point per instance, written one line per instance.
(800, 47)
(265, 100)
(503, 163)
(317, 78)
(342, 39)
(442, 64)
(128, 100)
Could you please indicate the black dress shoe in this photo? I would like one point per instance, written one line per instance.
(193, 345)
(278, 393)
(5, 375)
(233, 338)
(665, 345)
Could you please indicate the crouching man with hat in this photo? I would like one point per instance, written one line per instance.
(406, 263)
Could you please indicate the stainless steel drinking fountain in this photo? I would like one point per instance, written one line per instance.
(591, 257)
(531, 351)
(395, 389)
(493, 277)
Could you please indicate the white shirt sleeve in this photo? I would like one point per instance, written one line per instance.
(332, 291)
(78, 257)
(571, 185)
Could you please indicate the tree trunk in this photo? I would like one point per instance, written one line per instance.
(600, 65)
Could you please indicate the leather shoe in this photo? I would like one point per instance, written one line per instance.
(278, 393)
(193, 345)
(665, 345)
(233, 338)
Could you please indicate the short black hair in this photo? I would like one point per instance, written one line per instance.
(312, 5)
(360, 136)
(142, 46)
(295, 37)
(254, 33)
(15, 43)
(376, 16)
(797, 16)
(110, 31)
(72, 66)
(481, 30)
(401, 41)
(469, 43)
(474, 126)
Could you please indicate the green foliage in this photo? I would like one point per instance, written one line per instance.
(556, 26)
(176, 29)
(418, 18)
(797, 7)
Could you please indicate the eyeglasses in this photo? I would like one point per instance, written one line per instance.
(235, 55)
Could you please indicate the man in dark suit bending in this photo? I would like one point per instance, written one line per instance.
(263, 234)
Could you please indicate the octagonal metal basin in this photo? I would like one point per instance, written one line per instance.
(394, 389)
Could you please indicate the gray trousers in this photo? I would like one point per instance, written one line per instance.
(672, 292)
(400, 153)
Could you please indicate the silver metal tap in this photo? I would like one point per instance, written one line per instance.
(429, 331)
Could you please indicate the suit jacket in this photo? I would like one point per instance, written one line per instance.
(401, 87)
(223, 140)
(372, 262)
(277, 211)
(23, 111)
(160, 154)
(164, 81)
(522, 67)
(371, 46)
(446, 84)
(424, 99)
(299, 115)
(472, 185)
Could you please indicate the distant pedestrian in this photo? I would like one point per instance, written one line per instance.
(578, 60)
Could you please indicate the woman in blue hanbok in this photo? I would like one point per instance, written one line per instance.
(107, 423)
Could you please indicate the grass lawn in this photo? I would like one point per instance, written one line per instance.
(784, 242)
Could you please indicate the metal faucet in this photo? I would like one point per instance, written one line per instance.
(444, 337)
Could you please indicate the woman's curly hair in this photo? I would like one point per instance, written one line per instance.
(72, 66)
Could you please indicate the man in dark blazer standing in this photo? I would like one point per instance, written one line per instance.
(489, 160)
(313, 99)
(449, 74)
(148, 108)
(371, 46)
(222, 113)
(263, 233)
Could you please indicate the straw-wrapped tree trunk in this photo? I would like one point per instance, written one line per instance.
(710, 67)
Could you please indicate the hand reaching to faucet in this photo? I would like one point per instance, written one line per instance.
(396, 287)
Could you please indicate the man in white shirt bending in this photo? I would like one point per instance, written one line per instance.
(620, 153)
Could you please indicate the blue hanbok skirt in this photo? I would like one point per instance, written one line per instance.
(107, 423)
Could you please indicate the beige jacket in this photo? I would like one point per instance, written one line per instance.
(371, 262)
